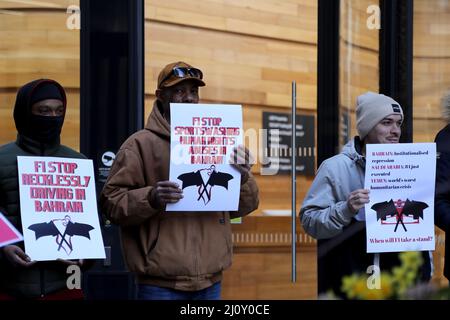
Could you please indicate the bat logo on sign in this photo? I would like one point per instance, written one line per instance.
(63, 239)
(212, 177)
(399, 210)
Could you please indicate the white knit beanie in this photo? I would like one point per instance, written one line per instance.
(371, 108)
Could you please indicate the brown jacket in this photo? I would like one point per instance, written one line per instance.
(181, 250)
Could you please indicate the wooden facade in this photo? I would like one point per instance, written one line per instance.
(250, 51)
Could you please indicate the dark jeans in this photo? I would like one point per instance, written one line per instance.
(147, 292)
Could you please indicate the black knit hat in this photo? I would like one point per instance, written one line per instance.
(47, 90)
(32, 92)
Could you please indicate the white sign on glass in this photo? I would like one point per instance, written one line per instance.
(203, 137)
(401, 180)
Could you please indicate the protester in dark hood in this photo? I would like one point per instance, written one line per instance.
(39, 116)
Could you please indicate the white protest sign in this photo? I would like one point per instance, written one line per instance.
(202, 139)
(401, 179)
(59, 209)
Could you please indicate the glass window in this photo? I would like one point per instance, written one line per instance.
(431, 80)
(358, 55)
(431, 66)
(249, 52)
(40, 40)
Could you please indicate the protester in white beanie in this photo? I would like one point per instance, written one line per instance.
(371, 108)
(333, 210)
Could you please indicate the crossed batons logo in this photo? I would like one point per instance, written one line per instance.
(399, 209)
(205, 182)
(63, 230)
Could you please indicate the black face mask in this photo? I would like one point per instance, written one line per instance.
(45, 129)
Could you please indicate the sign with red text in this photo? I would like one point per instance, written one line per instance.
(400, 214)
(8, 233)
(59, 209)
(203, 137)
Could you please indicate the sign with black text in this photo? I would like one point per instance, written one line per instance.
(59, 208)
(203, 137)
(401, 180)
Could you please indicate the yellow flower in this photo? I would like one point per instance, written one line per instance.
(411, 259)
(356, 287)
(390, 286)
(387, 284)
(360, 288)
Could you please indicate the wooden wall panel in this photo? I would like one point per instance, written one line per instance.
(36, 43)
(431, 66)
(287, 20)
(48, 50)
(47, 4)
(358, 74)
(358, 67)
(426, 128)
(431, 29)
(354, 30)
(267, 275)
(262, 262)
(237, 68)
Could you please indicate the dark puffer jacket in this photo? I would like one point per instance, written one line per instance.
(442, 204)
(43, 277)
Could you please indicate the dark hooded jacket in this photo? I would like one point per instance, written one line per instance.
(41, 278)
(442, 202)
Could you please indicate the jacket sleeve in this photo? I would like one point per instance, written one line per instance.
(125, 195)
(248, 199)
(323, 215)
(442, 199)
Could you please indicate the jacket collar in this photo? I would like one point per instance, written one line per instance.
(36, 147)
(353, 150)
(157, 123)
(358, 145)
